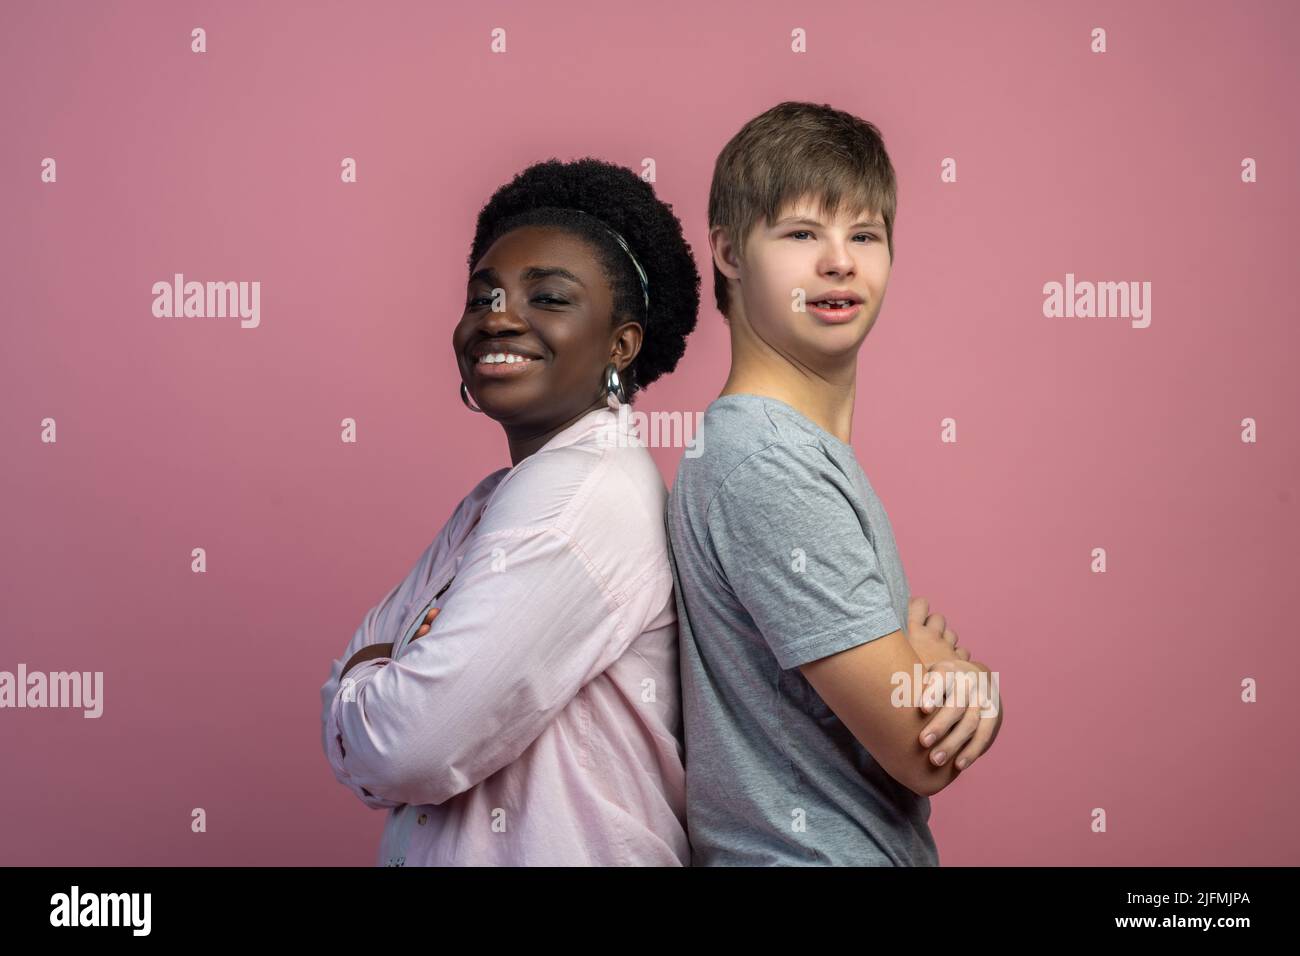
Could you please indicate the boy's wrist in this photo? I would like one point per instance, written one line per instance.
(932, 650)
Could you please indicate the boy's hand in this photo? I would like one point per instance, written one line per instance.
(930, 636)
(428, 622)
(975, 716)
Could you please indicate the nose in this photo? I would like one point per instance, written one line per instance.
(507, 320)
(836, 259)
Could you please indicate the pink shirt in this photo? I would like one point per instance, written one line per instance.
(538, 722)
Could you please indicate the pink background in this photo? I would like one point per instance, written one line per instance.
(1122, 689)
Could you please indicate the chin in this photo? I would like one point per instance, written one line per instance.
(505, 404)
(821, 336)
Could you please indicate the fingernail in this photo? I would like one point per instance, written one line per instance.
(961, 763)
(928, 739)
(938, 758)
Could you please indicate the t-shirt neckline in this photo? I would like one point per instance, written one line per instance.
(793, 411)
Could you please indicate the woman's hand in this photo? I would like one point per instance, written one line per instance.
(372, 651)
(428, 622)
(975, 709)
(369, 652)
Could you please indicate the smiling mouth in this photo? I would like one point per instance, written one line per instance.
(502, 364)
(833, 315)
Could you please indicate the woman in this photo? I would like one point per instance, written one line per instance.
(515, 701)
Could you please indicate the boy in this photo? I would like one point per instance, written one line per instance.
(791, 596)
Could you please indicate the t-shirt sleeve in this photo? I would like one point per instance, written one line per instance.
(797, 556)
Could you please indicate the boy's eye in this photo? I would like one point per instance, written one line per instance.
(861, 235)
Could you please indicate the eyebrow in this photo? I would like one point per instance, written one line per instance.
(490, 276)
(873, 224)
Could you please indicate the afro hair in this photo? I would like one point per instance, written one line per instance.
(548, 193)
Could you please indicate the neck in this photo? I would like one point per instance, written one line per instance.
(823, 394)
(524, 440)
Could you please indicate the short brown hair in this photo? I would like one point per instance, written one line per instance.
(792, 152)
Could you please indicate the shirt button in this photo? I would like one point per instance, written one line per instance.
(422, 817)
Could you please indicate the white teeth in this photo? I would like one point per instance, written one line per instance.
(502, 358)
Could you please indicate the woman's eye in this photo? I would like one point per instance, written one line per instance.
(546, 299)
(801, 232)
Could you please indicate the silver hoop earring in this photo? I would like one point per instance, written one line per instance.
(614, 383)
(464, 397)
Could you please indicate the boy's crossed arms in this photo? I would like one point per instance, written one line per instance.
(858, 685)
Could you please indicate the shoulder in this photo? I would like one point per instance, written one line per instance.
(783, 481)
(604, 496)
(741, 437)
(556, 489)
(758, 452)
(469, 506)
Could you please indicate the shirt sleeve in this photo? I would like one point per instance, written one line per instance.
(380, 625)
(335, 749)
(797, 555)
(336, 689)
(526, 623)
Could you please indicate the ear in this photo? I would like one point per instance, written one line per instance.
(725, 254)
(626, 344)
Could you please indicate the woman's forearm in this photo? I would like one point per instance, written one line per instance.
(367, 653)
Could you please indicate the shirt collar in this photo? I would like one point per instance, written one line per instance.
(585, 428)
(599, 424)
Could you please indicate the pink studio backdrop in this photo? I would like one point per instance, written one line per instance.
(1123, 689)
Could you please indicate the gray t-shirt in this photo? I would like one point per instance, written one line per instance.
(782, 554)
